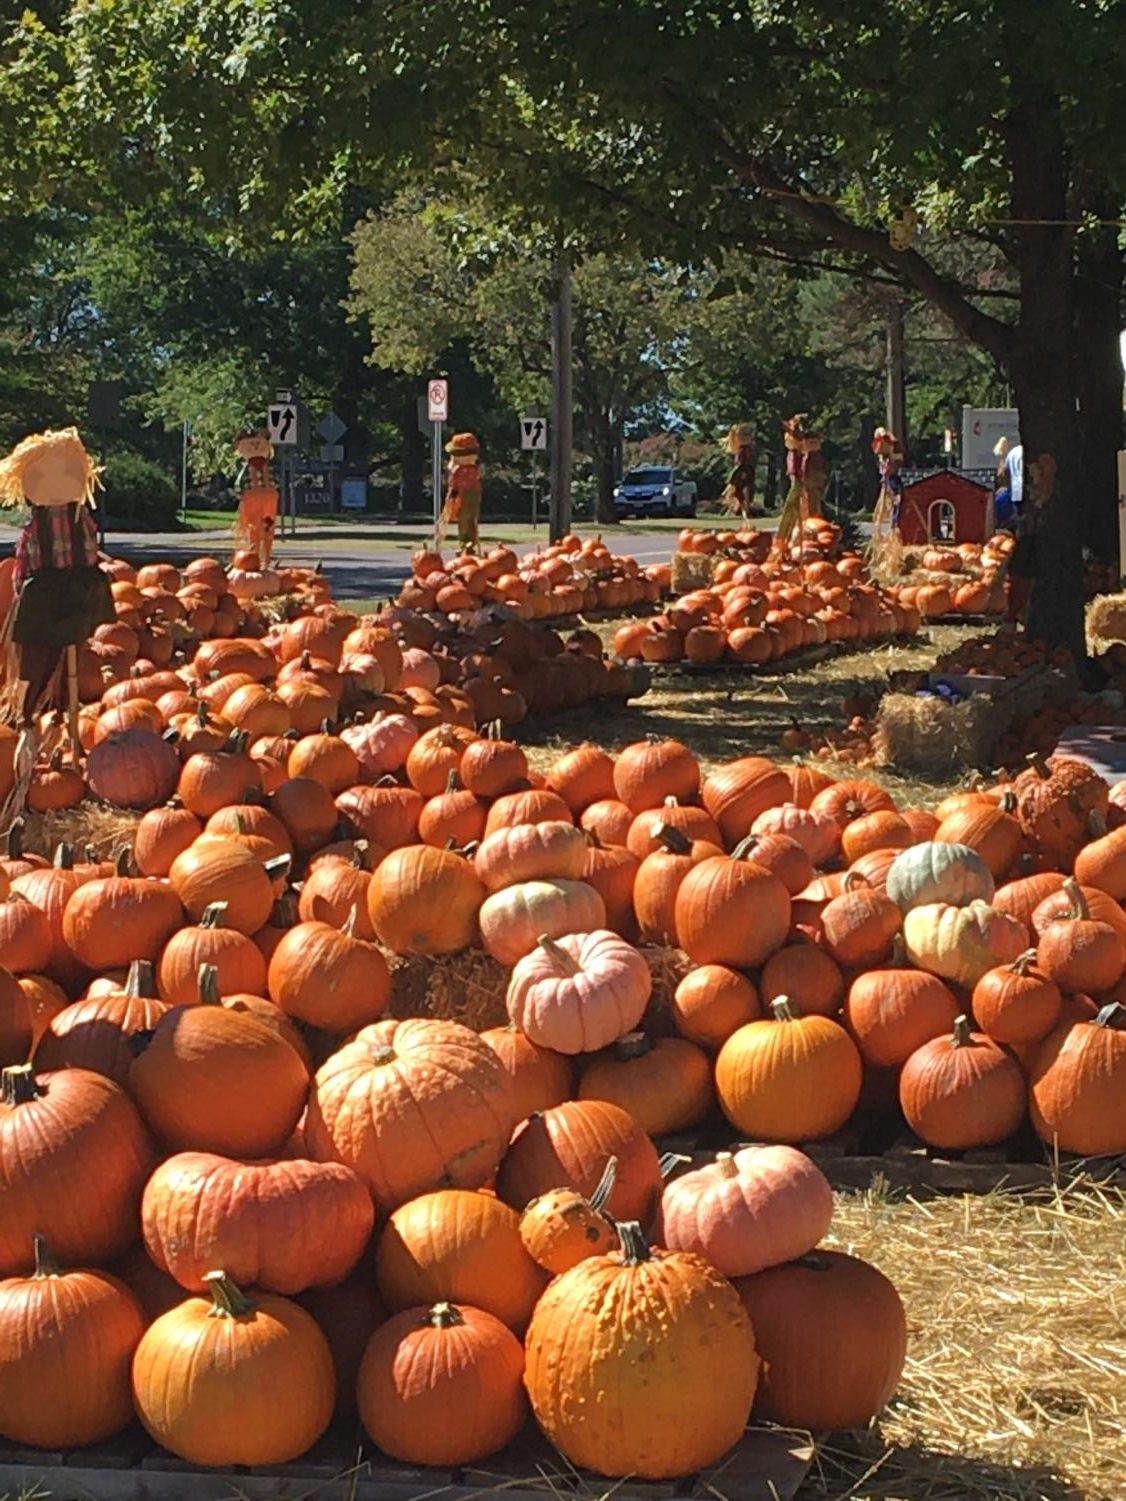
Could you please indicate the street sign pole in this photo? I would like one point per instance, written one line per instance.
(187, 432)
(437, 409)
(561, 400)
(535, 485)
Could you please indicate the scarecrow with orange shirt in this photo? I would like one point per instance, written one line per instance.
(258, 502)
(463, 490)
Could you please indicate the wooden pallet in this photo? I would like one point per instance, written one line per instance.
(798, 661)
(857, 1157)
(768, 1465)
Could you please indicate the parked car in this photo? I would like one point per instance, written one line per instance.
(654, 490)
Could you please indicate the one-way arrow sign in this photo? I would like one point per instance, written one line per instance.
(533, 432)
(281, 421)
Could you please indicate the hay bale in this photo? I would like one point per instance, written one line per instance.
(667, 967)
(927, 734)
(98, 825)
(468, 988)
(691, 570)
(1106, 623)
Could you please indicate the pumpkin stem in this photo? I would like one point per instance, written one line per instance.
(1023, 962)
(605, 1185)
(383, 1053)
(962, 1038)
(632, 1045)
(45, 1263)
(14, 840)
(18, 1084)
(1111, 1014)
(560, 956)
(349, 928)
(451, 781)
(1008, 801)
(635, 1246)
(140, 980)
(593, 840)
(855, 878)
(725, 1161)
(228, 1301)
(443, 1316)
(64, 857)
(898, 958)
(784, 1009)
(123, 861)
(668, 1162)
(277, 866)
(359, 854)
(812, 1261)
(207, 978)
(1039, 765)
(213, 915)
(746, 847)
(675, 840)
(1078, 909)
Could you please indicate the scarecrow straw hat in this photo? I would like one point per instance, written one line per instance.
(49, 469)
(463, 444)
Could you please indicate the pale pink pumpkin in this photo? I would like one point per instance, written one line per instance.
(383, 745)
(748, 1210)
(817, 833)
(531, 852)
(579, 993)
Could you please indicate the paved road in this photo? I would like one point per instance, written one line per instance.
(362, 561)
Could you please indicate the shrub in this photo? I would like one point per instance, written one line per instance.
(138, 492)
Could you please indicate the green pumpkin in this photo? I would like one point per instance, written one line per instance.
(938, 872)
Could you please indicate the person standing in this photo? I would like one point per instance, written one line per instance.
(1024, 560)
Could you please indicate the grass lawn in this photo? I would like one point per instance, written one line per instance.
(411, 532)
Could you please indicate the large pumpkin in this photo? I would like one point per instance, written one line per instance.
(939, 872)
(748, 1210)
(513, 921)
(425, 901)
(583, 1362)
(961, 943)
(234, 1379)
(580, 992)
(212, 1079)
(66, 1348)
(570, 1146)
(832, 1335)
(796, 1078)
(461, 1246)
(962, 1090)
(74, 1158)
(412, 1106)
(284, 1226)
(1078, 1085)
(731, 911)
(442, 1386)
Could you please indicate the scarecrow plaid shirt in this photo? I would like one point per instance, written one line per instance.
(71, 540)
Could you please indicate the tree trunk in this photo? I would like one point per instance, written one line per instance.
(1098, 291)
(412, 495)
(1043, 365)
(770, 484)
(602, 449)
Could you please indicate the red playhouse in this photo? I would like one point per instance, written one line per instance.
(945, 507)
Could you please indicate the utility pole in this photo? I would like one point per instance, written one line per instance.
(562, 415)
(896, 374)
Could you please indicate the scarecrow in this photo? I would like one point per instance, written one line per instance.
(258, 503)
(805, 464)
(60, 594)
(885, 551)
(463, 490)
(739, 495)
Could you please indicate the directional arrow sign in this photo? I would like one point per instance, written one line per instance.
(533, 432)
(281, 421)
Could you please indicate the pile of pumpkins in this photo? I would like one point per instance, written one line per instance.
(239, 1197)
(758, 612)
(187, 668)
(966, 579)
(567, 577)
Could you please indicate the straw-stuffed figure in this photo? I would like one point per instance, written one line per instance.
(885, 551)
(463, 488)
(258, 503)
(60, 594)
(739, 495)
(805, 465)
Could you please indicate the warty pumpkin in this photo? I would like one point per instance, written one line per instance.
(329, 977)
(412, 1106)
(580, 992)
(962, 1090)
(795, 1078)
(212, 1079)
(462, 1246)
(664, 1083)
(234, 1379)
(425, 901)
(280, 1225)
(513, 920)
(562, 1227)
(74, 1157)
(442, 1386)
(748, 1210)
(1055, 800)
(66, 1349)
(582, 1362)
(831, 1332)
(1077, 1088)
(570, 1147)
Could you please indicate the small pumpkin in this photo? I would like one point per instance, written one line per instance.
(1017, 1002)
(859, 926)
(562, 1227)
(540, 1077)
(712, 1002)
(329, 977)
(892, 1012)
(1079, 952)
(425, 901)
(731, 911)
(805, 971)
(513, 920)
(96, 1033)
(648, 772)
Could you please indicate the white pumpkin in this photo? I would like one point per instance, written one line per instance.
(961, 943)
(513, 920)
(938, 872)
